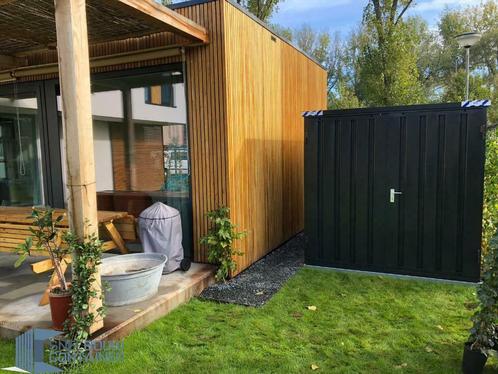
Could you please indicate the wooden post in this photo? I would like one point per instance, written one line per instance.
(74, 76)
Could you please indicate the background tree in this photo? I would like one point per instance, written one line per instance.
(449, 72)
(388, 72)
(392, 59)
(263, 9)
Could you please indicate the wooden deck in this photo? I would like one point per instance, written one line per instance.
(20, 291)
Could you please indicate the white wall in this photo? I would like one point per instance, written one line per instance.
(30, 103)
(103, 156)
(158, 113)
(107, 104)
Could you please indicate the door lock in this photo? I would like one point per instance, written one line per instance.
(393, 193)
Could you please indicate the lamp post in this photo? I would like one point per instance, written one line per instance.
(467, 40)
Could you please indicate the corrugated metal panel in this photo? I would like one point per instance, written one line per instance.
(433, 154)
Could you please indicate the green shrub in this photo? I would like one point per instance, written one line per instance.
(219, 242)
(490, 209)
(483, 334)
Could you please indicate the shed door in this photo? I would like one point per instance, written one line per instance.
(397, 192)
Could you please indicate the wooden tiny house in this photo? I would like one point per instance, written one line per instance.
(203, 113)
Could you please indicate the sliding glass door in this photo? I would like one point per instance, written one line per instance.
(140, 143)
(21, 177)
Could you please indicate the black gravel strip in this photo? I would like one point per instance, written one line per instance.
(258, 283)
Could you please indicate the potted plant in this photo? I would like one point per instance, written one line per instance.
(219, 241)
(48, 237)
(483, 334)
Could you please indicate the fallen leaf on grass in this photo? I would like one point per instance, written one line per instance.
(311, 307)
(297, 314)
(403, 365)
(471, 305)
(440, 327)
(314, 367)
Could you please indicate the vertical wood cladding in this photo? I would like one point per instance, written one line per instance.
(206, 89)
(269, 83)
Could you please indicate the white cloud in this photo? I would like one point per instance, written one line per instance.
(307, 5)
(437, 5)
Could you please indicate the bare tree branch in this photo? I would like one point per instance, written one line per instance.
(403, 11)
(394, 8)
(378, 23)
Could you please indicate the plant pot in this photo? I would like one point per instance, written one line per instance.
(60, 307)
(473, 360)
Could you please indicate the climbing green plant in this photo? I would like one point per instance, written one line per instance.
(46, 235)
(87, 256)
(490, 209)
(483, 334)
(86, 259)
(219, 242)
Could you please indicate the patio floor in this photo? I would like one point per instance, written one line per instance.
(20, 292)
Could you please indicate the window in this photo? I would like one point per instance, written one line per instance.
(160, 95)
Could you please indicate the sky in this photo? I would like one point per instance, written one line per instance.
(344, 15)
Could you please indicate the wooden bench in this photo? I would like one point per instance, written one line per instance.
(114, 229)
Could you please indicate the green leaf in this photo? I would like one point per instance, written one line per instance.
(20, 260)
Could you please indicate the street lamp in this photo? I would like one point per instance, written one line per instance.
(467, 40)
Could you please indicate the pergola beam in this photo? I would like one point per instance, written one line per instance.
(74, 77)
(96, 62)
(174, 21)
(8, 61)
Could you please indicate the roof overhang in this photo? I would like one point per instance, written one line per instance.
(28, 26)
(151, 12)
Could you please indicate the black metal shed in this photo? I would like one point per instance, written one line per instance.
(396, 190)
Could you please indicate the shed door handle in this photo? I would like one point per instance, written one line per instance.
(392, 194)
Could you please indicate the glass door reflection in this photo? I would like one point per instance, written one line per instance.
(20, 150)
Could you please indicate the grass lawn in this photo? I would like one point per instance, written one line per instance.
(361, 324)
